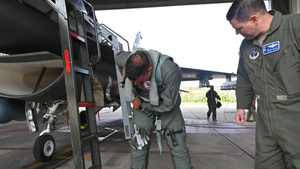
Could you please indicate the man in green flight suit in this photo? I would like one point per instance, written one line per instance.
(212, 96)
(269, 67)
(152, 85)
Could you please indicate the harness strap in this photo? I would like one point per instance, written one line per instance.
(158, 133)
(158, 139)
(172, 133)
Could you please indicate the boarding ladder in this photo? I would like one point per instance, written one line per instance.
(68, 39)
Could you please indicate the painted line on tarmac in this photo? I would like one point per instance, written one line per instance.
(36, 165)
(15, 148)
(66, 154)
(168, 152)
(14, 128)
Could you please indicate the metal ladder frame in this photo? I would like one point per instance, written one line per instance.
(66, 43)
(70, 70)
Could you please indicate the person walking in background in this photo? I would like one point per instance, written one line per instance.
(269, 68)
(152, 86)
(212, 97)
(252, 111)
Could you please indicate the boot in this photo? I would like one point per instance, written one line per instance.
(248, 120)
(254, 118)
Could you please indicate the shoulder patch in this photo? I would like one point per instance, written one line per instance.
(146, 85)
(254, 53)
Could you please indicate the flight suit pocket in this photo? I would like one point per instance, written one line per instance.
(291, 104)
(286, 71)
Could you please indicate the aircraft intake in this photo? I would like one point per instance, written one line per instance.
(32, 75)
(11, 110)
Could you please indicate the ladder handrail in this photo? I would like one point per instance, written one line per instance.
(102, 24)
(96, 32)
(56, 5)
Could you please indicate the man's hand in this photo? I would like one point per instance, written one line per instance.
(136, 103)
(240, 116)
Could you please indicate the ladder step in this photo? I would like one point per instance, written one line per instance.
(75, 35)
(89, 137)
(82, 71)
(85, 104)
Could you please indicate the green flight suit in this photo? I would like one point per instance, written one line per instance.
(271, 71)
(170, 115)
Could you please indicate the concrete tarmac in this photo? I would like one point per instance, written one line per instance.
(212, 144)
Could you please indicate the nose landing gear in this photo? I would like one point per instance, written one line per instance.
(44, 148)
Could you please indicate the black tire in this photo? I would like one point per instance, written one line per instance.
(44, 148)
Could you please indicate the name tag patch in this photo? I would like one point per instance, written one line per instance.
(271, 47)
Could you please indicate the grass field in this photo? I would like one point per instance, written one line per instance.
(197, 95)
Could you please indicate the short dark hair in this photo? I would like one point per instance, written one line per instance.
(137, 64)
(241, 10)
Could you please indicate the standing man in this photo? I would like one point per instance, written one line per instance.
(212, 97)
(152, 85)
(269, 67)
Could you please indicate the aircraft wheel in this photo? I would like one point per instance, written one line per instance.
(44, 147)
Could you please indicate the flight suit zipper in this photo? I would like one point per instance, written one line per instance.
(281, 57)
(267, 106)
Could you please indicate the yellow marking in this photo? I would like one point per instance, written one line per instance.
(66, 150)
(60, 157)
(88, 158)
(64, 157)
(36, 165)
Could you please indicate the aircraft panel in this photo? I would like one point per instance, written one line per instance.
(24, 30)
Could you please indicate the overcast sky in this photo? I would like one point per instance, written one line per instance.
(196, 36)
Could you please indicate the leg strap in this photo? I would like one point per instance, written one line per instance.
(172, 133)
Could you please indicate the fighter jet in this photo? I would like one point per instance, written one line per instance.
(32, 86)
